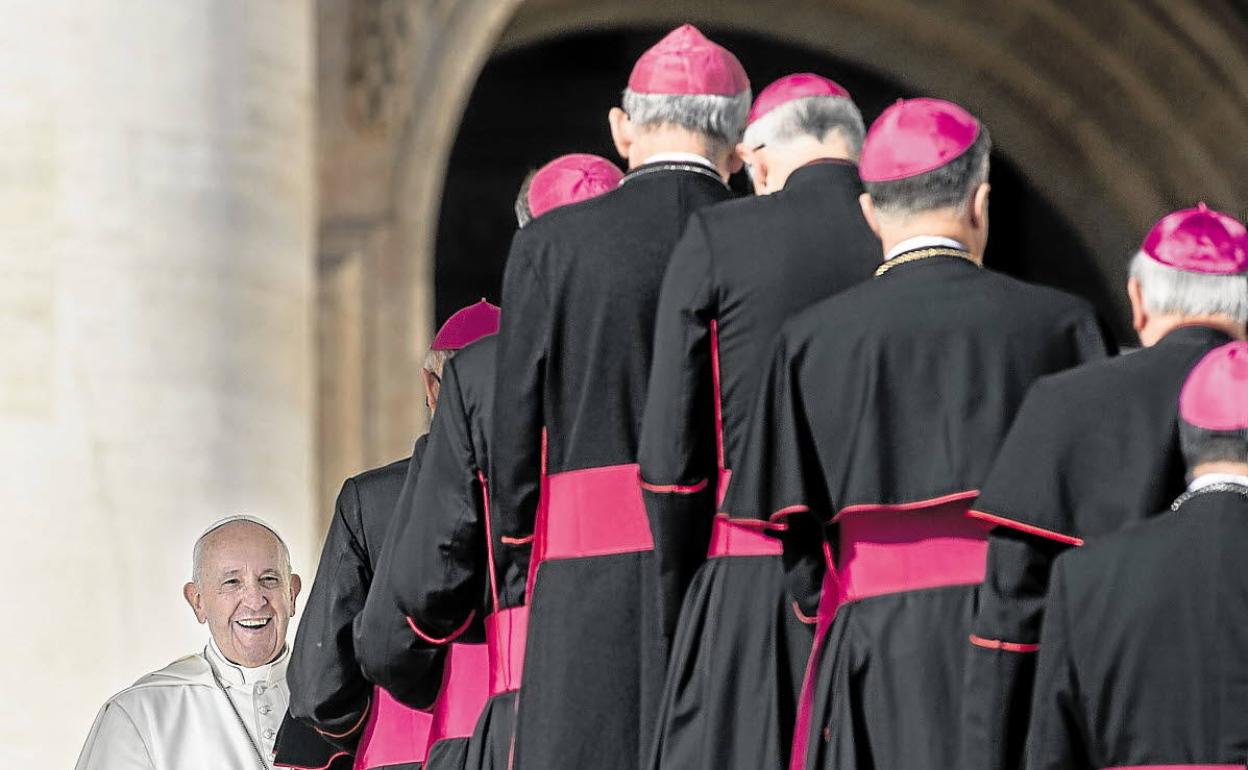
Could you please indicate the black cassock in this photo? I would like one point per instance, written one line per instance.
(1092, 450)
(1142, 658)
(458, 490)
(580, 292)
(329, 694)
(433, 586)
(740, 270)
(879, 417)
(448, 581)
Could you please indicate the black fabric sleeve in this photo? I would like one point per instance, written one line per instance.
(1058, 736)
(327, 689)
(780, 483)
(300, 746)
(677, 454)
(440, 582)
(389, 652)
(516, 445)
(1089, 340)
(1036, 479)
(1004, 639)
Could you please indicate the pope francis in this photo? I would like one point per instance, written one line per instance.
(219, 708)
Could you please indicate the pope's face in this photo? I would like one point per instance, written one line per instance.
(245, 593)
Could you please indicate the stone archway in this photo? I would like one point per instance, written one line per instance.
(1116, 112)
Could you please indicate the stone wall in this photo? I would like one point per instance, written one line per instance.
(157, 224)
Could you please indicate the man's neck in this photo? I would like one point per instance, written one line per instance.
(664, 139)
(1159, 326)
(940, 224)
(803, 152)
(919, 242)
(248, 674)
(1226, 468)
(1209, 474)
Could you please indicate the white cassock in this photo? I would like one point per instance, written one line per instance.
(183, 717)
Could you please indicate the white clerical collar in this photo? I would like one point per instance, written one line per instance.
(924, 242)
(232, 673)
(1209, 479)
(680, 157)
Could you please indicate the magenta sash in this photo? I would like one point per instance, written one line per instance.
(887, 549)
(465, 688)
(592, 512)
(505, 632)
(394, 734)
(891, 549)
(735, 538)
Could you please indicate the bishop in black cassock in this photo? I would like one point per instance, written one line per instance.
(395, 652)
(437, 580)
(1142, 659)
(580, 289)
(879, 416)
(329, 695)
(563, 181)
(445, 581)
(1092, 451)
(740, 270)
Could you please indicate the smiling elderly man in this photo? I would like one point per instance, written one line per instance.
(220, 707)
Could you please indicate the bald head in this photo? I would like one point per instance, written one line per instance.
(243, 589)
(229, 531)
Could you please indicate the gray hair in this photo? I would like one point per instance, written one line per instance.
(1202, 446)
(949, 186)
(197, 552)
(1171, 290)
(815, 117)
(436, 359)
(524, 214)
(721, 119)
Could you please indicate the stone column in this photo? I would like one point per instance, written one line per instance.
(157, 215)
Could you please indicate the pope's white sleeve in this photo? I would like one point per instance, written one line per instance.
(114, 743)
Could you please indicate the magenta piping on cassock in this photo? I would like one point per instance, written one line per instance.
(1003, 646)
(674, 489)
(358, 723)
(441, 640)
(828, 596)
(325, 766)
(1029, 529)
(717, 390)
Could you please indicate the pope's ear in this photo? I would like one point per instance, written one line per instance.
(191, 593)
(296, 584)
(621, 131)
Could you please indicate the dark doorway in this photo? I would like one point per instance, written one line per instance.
(533, 104)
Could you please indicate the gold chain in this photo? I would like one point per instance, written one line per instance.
(915, 256)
